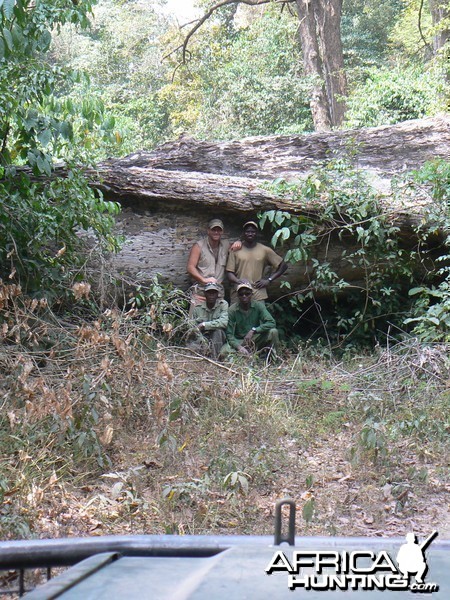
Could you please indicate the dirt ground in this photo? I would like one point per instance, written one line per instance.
(239, 439)
(311, 454)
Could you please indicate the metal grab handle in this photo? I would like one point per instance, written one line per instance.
(279, 537)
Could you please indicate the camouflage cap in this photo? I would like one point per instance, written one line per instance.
(215, 223)
(245, 285)
(212, 286)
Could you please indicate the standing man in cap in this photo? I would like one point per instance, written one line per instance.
(211, 320)
(250, 325)
(250, 262)
(207, 260)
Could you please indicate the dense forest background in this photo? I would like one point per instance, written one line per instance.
(83, 81)
(243, 73)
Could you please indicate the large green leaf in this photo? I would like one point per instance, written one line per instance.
(8, 38)
(45, 136)
(7, 6)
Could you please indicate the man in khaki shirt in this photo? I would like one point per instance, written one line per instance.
(207, 260)
(249, 263)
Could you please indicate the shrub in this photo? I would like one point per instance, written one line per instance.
(391, 96)
(395, 288)
(42, 212)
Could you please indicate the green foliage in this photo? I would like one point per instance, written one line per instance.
(39, 242)
(394, 74)
(244, 74)
(121, 53)
(406, 37)
(366, 27)
(391, 95)
(247, 81)
(42, 212)
(430, 313)
(352, 217)
(395, 288)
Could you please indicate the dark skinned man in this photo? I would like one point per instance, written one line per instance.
(211, 319)
(250, 325)
(250, 262)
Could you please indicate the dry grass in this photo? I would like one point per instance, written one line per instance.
(108, 427)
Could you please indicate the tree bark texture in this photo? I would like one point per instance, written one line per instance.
(380, 151)
(169, 195)
(329, 28)
(323, 61)
(440, 13)
(312, 64)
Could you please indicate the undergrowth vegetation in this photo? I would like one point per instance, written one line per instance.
(391, 282)
(109, 425)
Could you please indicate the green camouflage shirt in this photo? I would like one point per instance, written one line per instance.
(214, 318)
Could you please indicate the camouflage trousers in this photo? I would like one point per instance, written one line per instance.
(208, 343)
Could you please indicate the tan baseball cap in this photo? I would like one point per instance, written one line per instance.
(253, 223)
(215, 223)
(241, 286)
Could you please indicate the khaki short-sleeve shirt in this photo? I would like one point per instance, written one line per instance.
(209, 265)
(249, 264)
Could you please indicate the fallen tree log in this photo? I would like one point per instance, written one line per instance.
(169, 195)
(385, 150)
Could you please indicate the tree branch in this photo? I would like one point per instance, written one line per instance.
(208, 14)
(419, 23)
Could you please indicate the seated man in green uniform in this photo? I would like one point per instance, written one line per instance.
(250, 325)
(211, 319)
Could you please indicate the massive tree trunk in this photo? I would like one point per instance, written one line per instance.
(169, 194)
(320, 38)
(329, 28)
(312, 64)
(440, 14)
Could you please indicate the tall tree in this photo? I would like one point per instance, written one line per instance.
(42, 214)
(320, 38)
(440, 16)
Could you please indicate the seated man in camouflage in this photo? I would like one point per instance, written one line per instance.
(250, 325)
(210, 321)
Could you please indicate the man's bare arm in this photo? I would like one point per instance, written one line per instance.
(263, 283)
(232, 277)
(194, 257)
